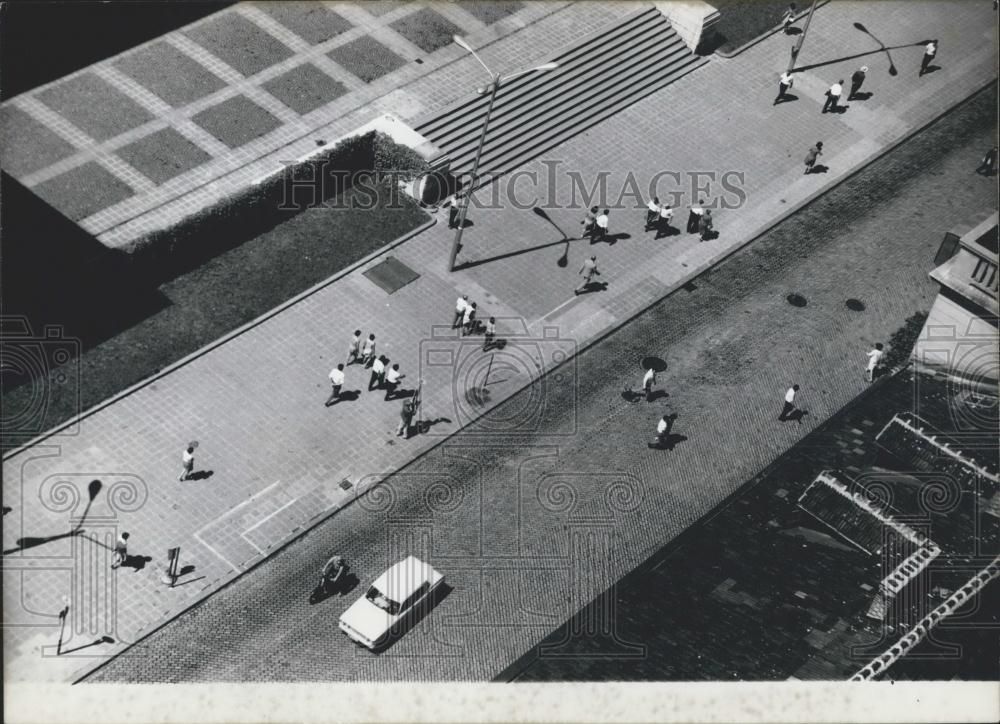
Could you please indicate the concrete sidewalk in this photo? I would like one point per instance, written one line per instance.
(278, 456)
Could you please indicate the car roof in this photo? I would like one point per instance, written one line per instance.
(403, 578)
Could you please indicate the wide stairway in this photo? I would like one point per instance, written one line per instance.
(537, 111)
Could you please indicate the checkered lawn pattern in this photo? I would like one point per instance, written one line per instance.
(163, 155)
(311, 21)
(169, 73)
(83, 190)
(366, 58)
(239, 43)
(94, 106)
(490, 12)
(28, 145)
(305, 88)
(236, 121)
(427, 29)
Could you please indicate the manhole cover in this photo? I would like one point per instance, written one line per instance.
(855, 305)
(797, 300)
(392, 274)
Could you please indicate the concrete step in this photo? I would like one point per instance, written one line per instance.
(595, 79)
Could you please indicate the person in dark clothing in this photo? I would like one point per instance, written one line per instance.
(929, 52)
(989, 164)
(857, 79)
(813, 154)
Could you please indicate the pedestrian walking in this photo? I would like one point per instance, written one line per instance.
(589, 271)
(392, 378)
(455, 211)
(378, 373)
(788, 18)
(789, 403)
(694, 216)
(491, 333)
(337, 381)
(989, 163)
(460, 305)
(812, 155)
(663, 223)
(368, 351)
(663, 427)
(705, 226)
(590, 223)
(188, 460)
(832, 102)
(874, 360)
(784, 83)
(121, 551)
(406, 418)
(930, 50)
(469, 321)
(601, 224)
(648, 380)
(354, 347)
(857, 79)
(652, 212)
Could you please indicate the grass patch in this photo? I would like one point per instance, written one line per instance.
(427, 29)
(225, 293)
(902, 340)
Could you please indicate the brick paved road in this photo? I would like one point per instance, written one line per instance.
(528, 528)
(267, 486)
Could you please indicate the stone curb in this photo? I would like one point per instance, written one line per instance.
(766, 34)
(693, 274)
(226, 338)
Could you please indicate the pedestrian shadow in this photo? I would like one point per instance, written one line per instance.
(594, 287)
(348, 396)
(137, 563)
(95, 642)
(630, 395)
(792, 30)
(657, 395)
(399, 395)
(200, 475)
(839, 108)
(818, 168)
(496, 345)
(32, 542)
(788, 98)
(190, 568)
(666, 230)
(321, 593)
(797, 415)
(931, 69)
(861, 96)
(7, 509)
(669, 442)
(424, 426)
(611, 239)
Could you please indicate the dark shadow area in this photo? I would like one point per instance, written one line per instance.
(348, 583)
(930, 69)
(41, 42)
(668, 442)
(610, 239)
(797, 415)
(593, 287)
(7, 509)
(424, 426)
(787, 98)
(189, 568)
(819, 168)
(793, 30)
(663, 230)
(137, 563)
(508, 255)
(399, 395)
(200, 475)
(30, 542)
(834, 61)
(55, 273)
(860, 96)
(349, 396)
(657, 395)
(102, 640)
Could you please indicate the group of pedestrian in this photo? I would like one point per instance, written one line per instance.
(658, 217)
(466, 320)
(700, 221)
(595, 224)
(382, 375)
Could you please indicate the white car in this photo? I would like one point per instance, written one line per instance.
(394, 595)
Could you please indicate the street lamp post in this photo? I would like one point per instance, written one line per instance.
(492, 89)
(798, 43)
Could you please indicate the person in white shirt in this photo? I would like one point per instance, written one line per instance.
(833, 96)
(784, 83)
(378, 373)
(368, 350)
(663, 428)
(337, 380)
(652, 212)
(354, 348)
(188, 459)
(874, 359)
(469, 321)
(929, 52)
(789, 402)
(647, 383)
(663, 225)
(392, 378)
(460, 305)
(602, 225)
(694, 217)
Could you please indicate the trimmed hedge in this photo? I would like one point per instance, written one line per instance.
(373, 157)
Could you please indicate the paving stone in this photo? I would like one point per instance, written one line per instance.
(83, 190)
(366, 58)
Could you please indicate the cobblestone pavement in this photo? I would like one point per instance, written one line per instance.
(273, 456)
(529, 527)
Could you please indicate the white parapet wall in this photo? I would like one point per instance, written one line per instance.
(690, 19)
